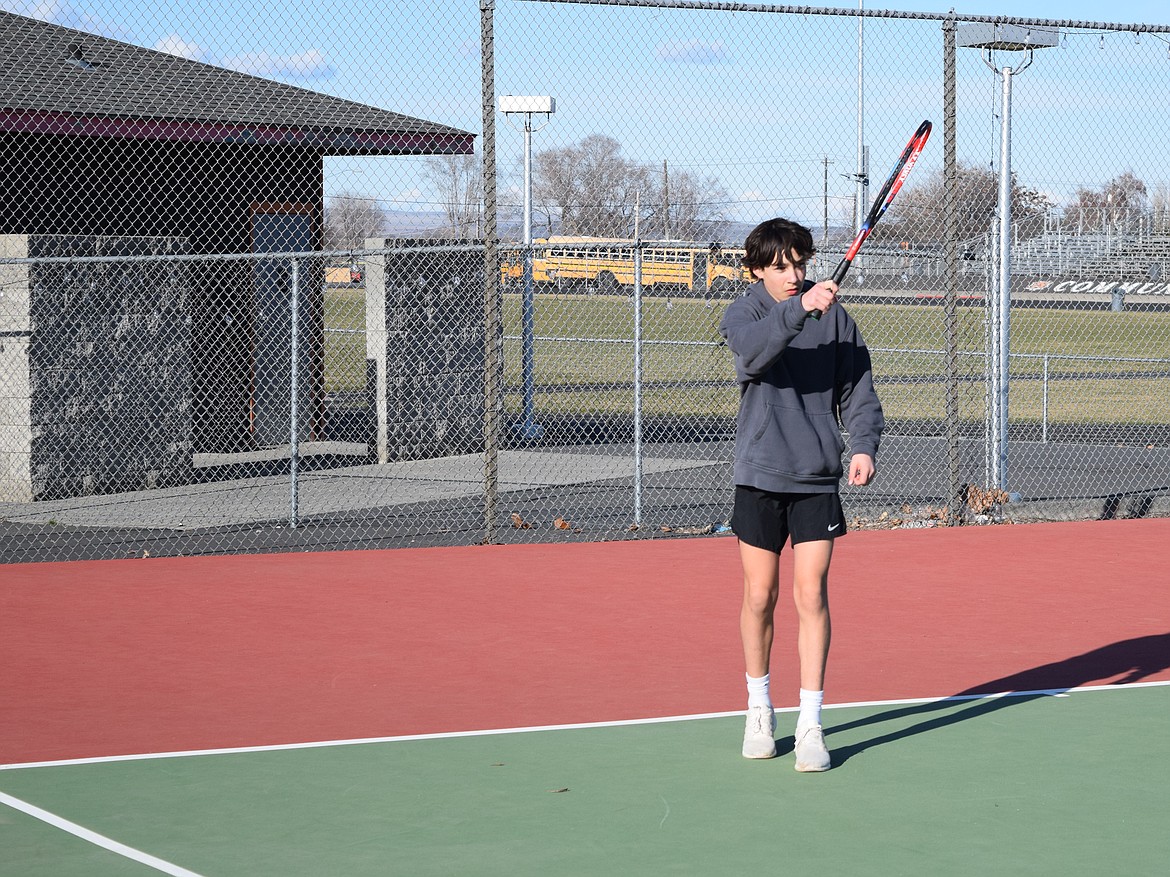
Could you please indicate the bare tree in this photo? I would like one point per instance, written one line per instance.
(350, 219)
(1160, 206)
(458, 179)
(917, 214)
(694, 208)
(591, 189)
(1120, 204)
(587, 189)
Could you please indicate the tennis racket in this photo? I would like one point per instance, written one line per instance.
(882, 202)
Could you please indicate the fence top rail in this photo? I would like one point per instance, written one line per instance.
(719, 6)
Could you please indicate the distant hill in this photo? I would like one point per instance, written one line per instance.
(412, 223)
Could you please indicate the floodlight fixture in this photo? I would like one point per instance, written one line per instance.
(1005, 37)
(519, 103)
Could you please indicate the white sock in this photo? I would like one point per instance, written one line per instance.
(758, 691)
(810, 708)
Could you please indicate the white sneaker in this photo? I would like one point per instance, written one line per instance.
(759, 733)
(812, 755)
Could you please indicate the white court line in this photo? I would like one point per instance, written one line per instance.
(448, 735)
(94, 838)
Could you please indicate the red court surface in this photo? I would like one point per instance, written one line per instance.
(118, 657)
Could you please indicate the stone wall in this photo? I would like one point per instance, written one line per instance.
(425, 338)
(95, 376)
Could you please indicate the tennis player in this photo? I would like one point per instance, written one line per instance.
(800, 380)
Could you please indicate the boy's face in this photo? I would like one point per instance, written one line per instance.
(784, 278)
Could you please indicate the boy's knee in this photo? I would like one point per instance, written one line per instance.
(810, 596)
(760, 600)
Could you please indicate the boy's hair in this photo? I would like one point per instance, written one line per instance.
(770, 242)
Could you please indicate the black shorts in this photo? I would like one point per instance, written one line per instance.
(767, 520)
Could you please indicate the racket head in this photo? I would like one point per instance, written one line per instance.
(891, 186)
(901, 171)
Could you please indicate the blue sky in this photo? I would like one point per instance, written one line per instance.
(758, 102)
(1128, 11)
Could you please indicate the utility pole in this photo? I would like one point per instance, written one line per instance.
(665, 203)
(825, 228)
(861, 198)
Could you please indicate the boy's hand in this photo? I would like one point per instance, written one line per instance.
(861, 468)
(821, 297)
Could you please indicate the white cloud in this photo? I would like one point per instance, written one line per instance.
(176, 45)
(67, 15)
(50, 10)
(692, 52)
(304, 65)
(310, 65)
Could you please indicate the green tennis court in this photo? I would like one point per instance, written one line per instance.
(1066, 784)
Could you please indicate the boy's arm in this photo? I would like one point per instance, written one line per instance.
(758, 341)
(861, 411)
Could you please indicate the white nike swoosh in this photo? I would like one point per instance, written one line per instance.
(834, 527)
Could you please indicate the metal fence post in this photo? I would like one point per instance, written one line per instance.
(293, 446)
(638, 382)
(993, 373)
(951, 243)
(493, 306)
(1005, 279)
(1044, 405)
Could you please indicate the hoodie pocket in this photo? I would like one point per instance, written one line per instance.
(796, 442)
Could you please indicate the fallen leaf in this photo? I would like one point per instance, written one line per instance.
(519, 523)
(562, 524)
(694, 531)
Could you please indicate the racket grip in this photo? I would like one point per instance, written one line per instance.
(838, 275)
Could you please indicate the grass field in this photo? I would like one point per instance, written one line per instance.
(345, 353)
(1102, 366)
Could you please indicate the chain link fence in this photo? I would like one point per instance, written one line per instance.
(293, 286)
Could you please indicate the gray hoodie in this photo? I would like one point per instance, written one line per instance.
(800, 380)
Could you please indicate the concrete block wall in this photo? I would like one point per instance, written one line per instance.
(95, 380)
(425, 338)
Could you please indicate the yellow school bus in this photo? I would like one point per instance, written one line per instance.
(605, 265)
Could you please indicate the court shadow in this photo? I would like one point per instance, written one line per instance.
(1127, 661)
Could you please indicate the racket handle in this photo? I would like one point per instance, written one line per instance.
(838, 276)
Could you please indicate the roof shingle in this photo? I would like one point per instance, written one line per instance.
(102, 87)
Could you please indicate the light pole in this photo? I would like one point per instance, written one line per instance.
(861, 198)
(1008, 38)
(527, 106)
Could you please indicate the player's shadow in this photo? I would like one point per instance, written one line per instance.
(1132, 660)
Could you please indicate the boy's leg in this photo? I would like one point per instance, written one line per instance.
(761, 587)
(810, 591)
(810, 588)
